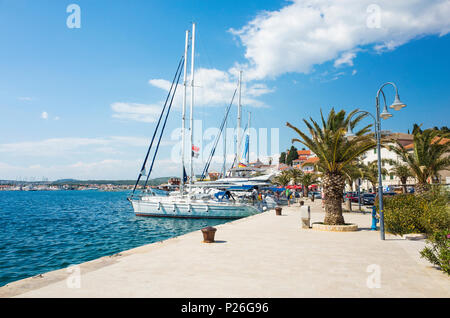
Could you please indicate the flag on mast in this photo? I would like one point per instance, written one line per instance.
(195, 151)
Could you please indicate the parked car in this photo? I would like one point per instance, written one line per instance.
(368, 198)
(317, 195)
(352, 196)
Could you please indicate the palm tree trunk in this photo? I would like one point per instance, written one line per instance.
(421, 188)
(333, 187)
(403, 180)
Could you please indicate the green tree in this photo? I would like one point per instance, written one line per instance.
(429, 156)
(282, 158)
(291, 156)
(370, 172)
(282, 179)
(335, 152)
(401, 171)
(295, 175)
(307, 180)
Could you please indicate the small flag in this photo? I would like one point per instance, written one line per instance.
(241, 165)
(195, 151)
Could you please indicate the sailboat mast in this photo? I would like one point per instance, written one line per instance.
(183, 123)
(238, 135)
(192, 105)
(248, 132)
(224, 149)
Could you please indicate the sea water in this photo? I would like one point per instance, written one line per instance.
(41, 231)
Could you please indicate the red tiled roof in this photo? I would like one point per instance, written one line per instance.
(311, 160)
(304, 152)
(435, 139)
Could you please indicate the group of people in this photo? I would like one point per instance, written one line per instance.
(289, 194)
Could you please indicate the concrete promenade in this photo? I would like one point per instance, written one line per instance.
(261, 256)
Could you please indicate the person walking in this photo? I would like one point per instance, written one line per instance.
(288, 196)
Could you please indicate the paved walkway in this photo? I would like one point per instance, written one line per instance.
(261, 256)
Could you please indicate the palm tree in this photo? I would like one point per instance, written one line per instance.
(295, 175)
(306, 180)
(370, 172)
(335, 153)
(429, 156)
(401, 171)
(282, 179)
(353, 172)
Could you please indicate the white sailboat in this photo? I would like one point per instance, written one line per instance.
(190, 203)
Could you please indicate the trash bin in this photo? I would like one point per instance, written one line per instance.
(208, 234)
(305, 214)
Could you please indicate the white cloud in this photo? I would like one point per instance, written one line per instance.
(345, 59)
(354, 72)
(215, 88)
(44, 115)
(69, 146)
(137, 112)
(56, 118)
(310, 32)
(25, 99)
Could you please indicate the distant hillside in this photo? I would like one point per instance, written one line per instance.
(152, 182)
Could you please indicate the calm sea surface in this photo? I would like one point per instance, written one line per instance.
(41, 231)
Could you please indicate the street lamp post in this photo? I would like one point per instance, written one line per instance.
(397, 105)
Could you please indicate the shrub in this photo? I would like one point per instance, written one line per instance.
(409, 213)
(439, 252)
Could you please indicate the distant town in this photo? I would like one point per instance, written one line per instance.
(72, 184)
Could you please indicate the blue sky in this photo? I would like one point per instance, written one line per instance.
(82, 103)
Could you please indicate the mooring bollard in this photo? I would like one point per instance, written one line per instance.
(208, 234)
(278, 210)
(374, 219)
(305, 214)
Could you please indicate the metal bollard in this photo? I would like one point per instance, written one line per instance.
(305, 214)
(208, 234)
(374, 219)
(278, 210)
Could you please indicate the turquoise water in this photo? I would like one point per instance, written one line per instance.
(43, 231)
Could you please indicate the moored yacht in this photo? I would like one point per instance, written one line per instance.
(188, 202)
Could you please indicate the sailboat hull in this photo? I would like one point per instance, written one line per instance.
(195, 210)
